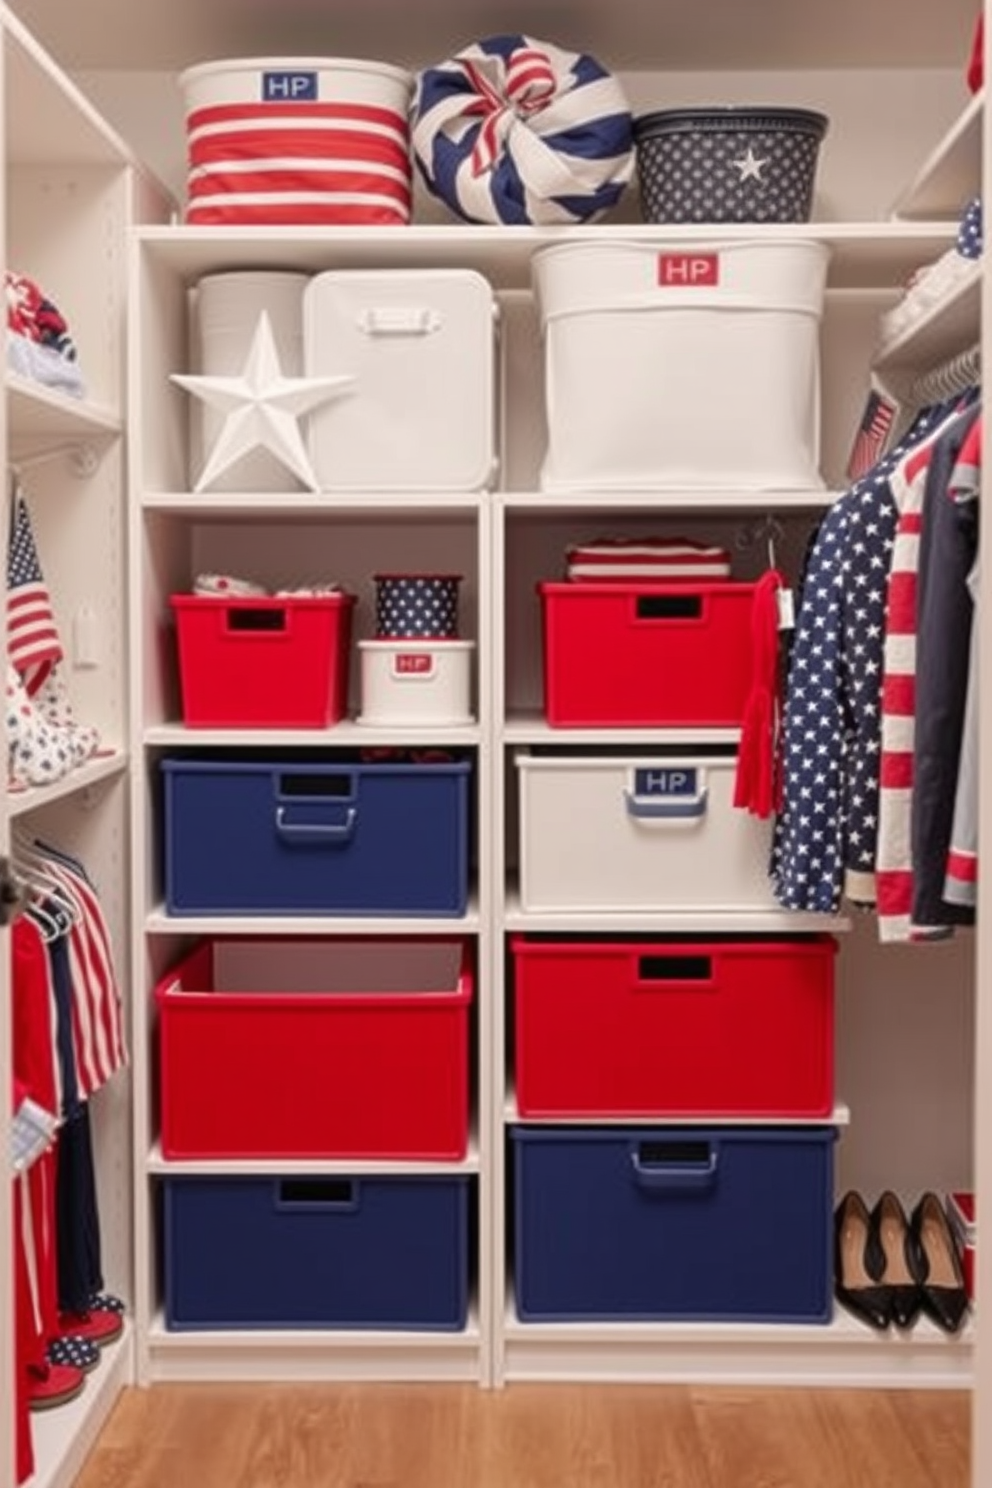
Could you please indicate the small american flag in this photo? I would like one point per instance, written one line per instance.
(873, 430)
(32, 636)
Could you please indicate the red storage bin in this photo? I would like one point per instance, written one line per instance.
(263, 662)
(642, 654)
(715, 1028)
(338, 1048)
(961, 1214)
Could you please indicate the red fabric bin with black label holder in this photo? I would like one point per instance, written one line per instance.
(317, 1048)
(717, 1027)
(263, 662)
(646, 654)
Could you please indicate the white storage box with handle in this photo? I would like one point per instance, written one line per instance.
(420, 345)
(423, 683)
(638, 833)
(691, 366)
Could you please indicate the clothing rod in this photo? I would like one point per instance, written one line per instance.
(81, 455)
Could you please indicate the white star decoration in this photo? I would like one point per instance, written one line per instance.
(750, 166)
(262, 409)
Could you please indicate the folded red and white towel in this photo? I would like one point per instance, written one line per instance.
(664, 559)
(230, 586)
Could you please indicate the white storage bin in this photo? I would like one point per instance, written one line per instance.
(225, 310)
(421, 347)
(643, 832)
(693, 366)
(414, 681)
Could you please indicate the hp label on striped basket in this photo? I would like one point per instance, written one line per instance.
(289, 87)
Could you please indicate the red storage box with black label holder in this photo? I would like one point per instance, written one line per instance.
(340, 1047)
(643, 654)
(721, 1028)
(263, 662)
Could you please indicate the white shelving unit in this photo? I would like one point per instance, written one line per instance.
(71, 189)
(915, 1094)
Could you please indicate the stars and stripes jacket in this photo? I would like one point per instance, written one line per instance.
(825, 837)
(927, 629)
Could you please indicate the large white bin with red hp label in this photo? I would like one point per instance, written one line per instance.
(424, 683)
(693, 367)
(641, 832)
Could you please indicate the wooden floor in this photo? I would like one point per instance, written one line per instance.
(529, 1436)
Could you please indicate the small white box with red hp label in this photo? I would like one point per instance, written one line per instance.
(425, 683)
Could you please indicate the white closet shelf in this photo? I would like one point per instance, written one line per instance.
(951, 174)
(950, 326)
(93, 772)
(347, 734)
(533, 728)
(318, 1354)
(162, 1167)
(843, 1353)
(39, 416)
(679, 921)
(63, 1438)
(840, 1116)
(677, 500)
(160, 923)
(308, 504)
(864, 255)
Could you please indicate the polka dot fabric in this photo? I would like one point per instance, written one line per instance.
(423, 605)
(970, 235)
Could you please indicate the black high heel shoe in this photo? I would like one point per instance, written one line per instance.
(942, 1291)
(902, 1274)
(859, 1263)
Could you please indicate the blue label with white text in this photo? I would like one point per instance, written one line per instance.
(289, 87)
(665, 780)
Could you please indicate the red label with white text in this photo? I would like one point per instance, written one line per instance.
(688, 270)
(413, 664)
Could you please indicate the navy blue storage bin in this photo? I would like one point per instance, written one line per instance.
(316, 1253)
(264, 836)
(730, 1224)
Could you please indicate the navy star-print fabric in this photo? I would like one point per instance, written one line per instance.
(831, 734)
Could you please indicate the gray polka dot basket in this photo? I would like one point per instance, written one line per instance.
(728, 164)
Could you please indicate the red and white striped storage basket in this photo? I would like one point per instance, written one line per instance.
(275, 140)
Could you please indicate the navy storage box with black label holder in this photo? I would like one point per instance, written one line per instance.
(694, 1224)
(307, 1252)
(257, 835)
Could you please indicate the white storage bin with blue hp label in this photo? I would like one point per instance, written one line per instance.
(259, 834)
(654, 831)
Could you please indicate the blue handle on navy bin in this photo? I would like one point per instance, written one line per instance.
(311, 831)
(674, 1177)
(671, 808)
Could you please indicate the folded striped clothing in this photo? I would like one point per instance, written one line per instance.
(666, 560)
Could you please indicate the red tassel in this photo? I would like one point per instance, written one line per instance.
(976, 62)
(757, 784)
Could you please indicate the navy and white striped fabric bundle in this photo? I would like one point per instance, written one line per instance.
(518, 131)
